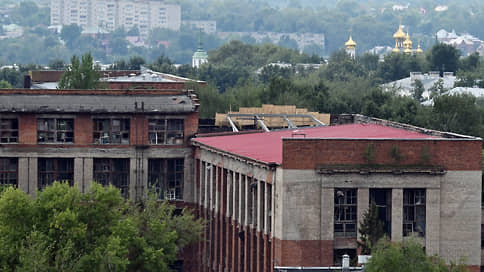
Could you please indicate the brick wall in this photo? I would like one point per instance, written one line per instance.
(450, 154)
(308, 253)
(82, 129)
(27, 129)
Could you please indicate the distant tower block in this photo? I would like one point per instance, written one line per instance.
(200, 56)
(351, 47)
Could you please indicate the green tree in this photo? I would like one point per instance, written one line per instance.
(5, 85)
(371, 230)
(417, 90)
(407, 257)
(70, 34)
(64, 230)
(444, 58)
(80, 74)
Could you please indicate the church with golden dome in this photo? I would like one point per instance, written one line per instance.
(351, 47)
(403, 43)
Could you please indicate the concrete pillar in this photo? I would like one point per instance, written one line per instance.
(327, 213)
(143, 190)
(133, 169)
(206, 185)
(246, 202)
(432, 221)
(259, 206)
(33, 176)
(23, 175)
(266, 208)
(217, 190)
(88, 176)
(229, 196)
(397, 215)
(363, 200)
(79, 173)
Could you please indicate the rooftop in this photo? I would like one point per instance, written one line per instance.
(266, 147)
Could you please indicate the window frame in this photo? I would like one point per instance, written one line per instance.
(414, 208)
(160, 127)
(6, 133)
(345, 212)
(113, 175)
(6, 172)
(43, 180)
(102, 136)
(168, 185)
(55, 131)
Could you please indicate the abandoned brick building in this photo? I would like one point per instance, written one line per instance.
(131, 139)
(288, 199)
(271, 200)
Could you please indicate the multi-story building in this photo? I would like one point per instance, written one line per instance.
(134, 140)
(207, 26)
(112, 14)
(292, 199)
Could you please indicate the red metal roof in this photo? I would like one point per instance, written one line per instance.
(267, 146)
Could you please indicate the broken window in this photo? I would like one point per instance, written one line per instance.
(8, 171)
(414, 212)
(383, 202)
(345, 212)
(8, 130)
(111, 131)
(55, 130)
(165, 177)
(50, 170)
(114, 172)
(165, 131)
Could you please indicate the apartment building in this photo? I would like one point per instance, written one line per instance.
(292, 199)
(134, 140)
(112, 14)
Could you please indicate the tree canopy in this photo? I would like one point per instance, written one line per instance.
(407, 257)
(80, 74)
(62, 229)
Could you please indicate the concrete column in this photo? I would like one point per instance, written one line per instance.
(259, 206)
(266, 208)
(235, 194)
(33, 176)
(79, 173)
(327, 213)
(23, 174)
(241, 194)
(397, 215)
(88, 167)
(205, 187)
(228, 200)
(217, 190)
(432, 221)
(363, 200)
(143, 190)
(246, 202)
(133, 171)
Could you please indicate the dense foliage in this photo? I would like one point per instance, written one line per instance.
(80, 74)
(63, 230)
(407, 257)
(370, 229)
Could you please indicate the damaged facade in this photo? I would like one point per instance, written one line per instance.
(134, 140)
(294, 198)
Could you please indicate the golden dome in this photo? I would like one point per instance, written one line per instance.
(407, 51)
(407, 43)
(419, 49)
(350, 43)
(396, 50)
(399, 34)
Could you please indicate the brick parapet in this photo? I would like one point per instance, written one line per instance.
(452, 154)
